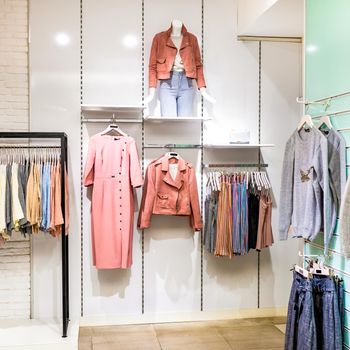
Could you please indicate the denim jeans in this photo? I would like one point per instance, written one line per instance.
(176, 95)
(301, 327)
(339, 283)
(327, 313)
(314, 314)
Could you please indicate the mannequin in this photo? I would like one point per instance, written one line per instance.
(176, 36)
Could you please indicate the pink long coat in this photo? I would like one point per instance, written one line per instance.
(113, 168)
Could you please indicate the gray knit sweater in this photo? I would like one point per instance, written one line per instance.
(305, 202)
(336, 170)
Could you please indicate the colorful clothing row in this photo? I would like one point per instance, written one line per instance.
(237, 218)
(30, 198)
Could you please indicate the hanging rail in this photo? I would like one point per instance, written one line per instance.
(331, 114)
(65, 249)
(173, 145)
(238, 165)
(98, 120)
(29, 147)
(323, 100)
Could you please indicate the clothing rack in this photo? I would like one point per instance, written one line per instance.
(98, 120)
(173, 145)
(239, 165)
(326, 99)
(64, 155)
(29, 147)
(331, 114)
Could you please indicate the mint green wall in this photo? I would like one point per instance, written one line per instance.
(327, 72)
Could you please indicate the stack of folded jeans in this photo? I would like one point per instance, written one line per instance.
(315, 314)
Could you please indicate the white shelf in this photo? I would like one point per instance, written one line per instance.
(112, 108)
(247, 145)
(174, 119)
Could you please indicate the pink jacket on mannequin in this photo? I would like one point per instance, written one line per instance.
(163, 54)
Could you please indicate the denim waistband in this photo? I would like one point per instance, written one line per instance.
(317, 283)
(323, 284)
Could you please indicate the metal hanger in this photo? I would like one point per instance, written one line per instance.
(113, 129)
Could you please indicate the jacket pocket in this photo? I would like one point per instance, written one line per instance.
(162, 200)
(161, 64)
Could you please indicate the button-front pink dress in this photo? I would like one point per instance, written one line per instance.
(113, 168)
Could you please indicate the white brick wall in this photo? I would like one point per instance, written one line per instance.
(14, 116)
(14, 92)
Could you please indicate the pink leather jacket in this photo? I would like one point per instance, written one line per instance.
(163, 195)
(163, 54)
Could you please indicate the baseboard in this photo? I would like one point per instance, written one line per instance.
(127, 319)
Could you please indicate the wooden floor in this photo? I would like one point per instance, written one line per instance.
(260, 333)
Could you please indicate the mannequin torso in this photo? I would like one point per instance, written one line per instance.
(176, 36)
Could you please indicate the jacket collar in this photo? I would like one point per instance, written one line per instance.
(165, 164)
(185, 39)
(164, 161)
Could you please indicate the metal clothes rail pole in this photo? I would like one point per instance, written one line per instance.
(30, 147)
(331, 114)
(239, 165)
(97, 120)
(64, 155)
(328, 98)
(173, 145)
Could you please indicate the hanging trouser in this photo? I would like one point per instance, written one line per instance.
(301, 327)
(327, 315)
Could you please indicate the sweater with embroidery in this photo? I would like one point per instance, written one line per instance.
(305, 206)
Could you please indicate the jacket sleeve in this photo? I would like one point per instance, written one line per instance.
(344, 224)
(321, 168)
(286, 193)
(195, 218)
(134, 164)
(148, 197)
(152, 76)
(199, 64)
(89, 172)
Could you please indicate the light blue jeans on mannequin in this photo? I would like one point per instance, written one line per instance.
(176, 95)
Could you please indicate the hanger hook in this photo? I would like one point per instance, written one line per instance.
(327, 104)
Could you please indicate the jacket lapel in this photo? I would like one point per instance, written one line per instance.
(178, 182)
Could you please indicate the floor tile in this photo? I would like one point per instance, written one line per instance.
(281, 327)
(254, 337)
(191, 335)
(126, 346)
(239, 334)
(125, 337)
(85, 331)
(85, 342)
